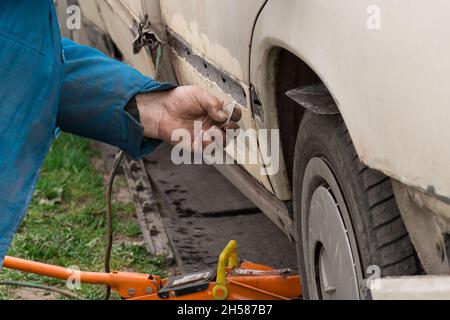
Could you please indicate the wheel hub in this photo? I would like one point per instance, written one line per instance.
(330, 262)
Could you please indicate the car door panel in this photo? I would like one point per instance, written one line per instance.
(220, 30)
(215, 37)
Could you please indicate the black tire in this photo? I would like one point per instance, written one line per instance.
(376, 224)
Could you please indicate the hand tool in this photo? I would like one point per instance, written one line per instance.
(231, 281)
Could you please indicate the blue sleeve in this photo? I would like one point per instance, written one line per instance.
(94, 93)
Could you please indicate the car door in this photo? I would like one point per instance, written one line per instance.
(134, 6)
(210, 44)
(120, 19)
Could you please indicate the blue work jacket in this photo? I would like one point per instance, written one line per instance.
(48, 83)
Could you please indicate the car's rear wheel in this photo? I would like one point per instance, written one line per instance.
(346, 216)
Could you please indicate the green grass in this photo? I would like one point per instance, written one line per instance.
(65, 223)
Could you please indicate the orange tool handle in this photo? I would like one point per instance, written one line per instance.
(54, 271)
(127, 284)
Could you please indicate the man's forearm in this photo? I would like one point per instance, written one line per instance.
(95, 92)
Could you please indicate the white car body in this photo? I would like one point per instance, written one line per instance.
(385, 63)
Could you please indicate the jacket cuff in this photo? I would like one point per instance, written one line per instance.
(137, 145)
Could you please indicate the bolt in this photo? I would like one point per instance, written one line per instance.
(149, 290)
(131, 292)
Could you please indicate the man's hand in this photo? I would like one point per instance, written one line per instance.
(164, 112)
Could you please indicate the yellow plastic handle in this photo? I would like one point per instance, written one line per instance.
(228, 256)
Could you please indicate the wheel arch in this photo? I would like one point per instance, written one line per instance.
(278, 111)
(381, 88)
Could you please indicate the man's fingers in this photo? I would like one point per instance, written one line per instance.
(215, 108)
(212, 106)
(216, 113)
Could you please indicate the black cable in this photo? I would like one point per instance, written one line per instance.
(117, 162)
(109, 222)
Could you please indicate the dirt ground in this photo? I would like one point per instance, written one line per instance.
(33, 294)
